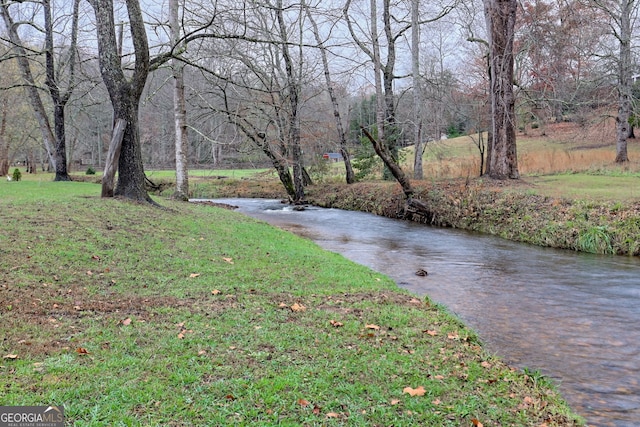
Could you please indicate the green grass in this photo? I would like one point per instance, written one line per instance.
(191, 315)
(615, 187)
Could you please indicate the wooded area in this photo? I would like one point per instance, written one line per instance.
(272, 82)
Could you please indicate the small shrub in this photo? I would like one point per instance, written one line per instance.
(17, 175)
(90, 171)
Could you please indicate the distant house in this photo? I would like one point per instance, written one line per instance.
(335, 157)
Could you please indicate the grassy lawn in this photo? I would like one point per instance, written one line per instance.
(196, 315)
(588, 186)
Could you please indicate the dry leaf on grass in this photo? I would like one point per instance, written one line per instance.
(298, 307)
(420, 391)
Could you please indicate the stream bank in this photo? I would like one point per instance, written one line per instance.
(510, 210)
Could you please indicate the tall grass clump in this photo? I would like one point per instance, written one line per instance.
(595, 240)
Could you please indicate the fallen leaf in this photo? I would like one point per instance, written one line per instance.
(81, 350)
(215, 292)
(453, 336)
(432, 333)
(420, 391)
(10, 356)
(476, 423)
(202, 352)
(192, 275)
(95, 257)
(316, 410)
(437, 402)
(230, 397)
(283, 305)
(303, 402)
(439, 377)
(229, 260)
(126, 321)
(298, 307)
(89, 273)
(335, 323)
(333, 415)
(395, 402)
(372, 326)
(415, 301)
(485, 364)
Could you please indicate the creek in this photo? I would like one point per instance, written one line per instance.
(574, 317)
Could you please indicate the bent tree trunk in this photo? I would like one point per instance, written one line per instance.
(395, 169)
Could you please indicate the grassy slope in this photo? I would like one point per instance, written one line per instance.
(195, 315)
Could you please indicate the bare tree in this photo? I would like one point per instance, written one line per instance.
(125, 92)
(342, 137)
(31, 88)
(56, 67)
(179, 108)
(417, 91)
(500, 16)
(293, 97)
(255, 61)
(621, 13)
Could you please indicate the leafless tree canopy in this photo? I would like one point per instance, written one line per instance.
(220, 83)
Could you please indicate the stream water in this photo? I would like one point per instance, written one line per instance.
(575, 317)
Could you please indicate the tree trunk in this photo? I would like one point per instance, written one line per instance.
(342, 138)
(624, 82)
(417, 93)
(125, 94)
(179, 110)
(293, 91)
(500, 16)
(4, 145)
(391, 131)
(390, 162)
(30, 85)
(58, 99)
(113, 156)
(60, 153)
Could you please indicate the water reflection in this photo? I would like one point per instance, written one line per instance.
(572, 316)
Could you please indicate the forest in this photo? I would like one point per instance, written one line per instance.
(283, 84)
